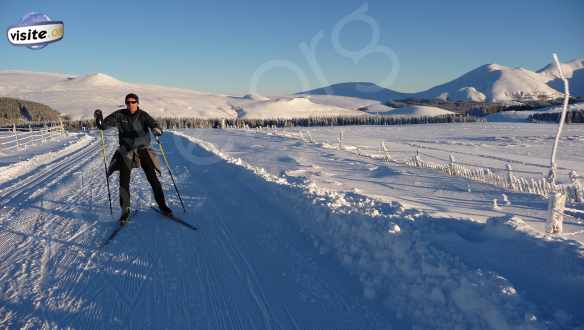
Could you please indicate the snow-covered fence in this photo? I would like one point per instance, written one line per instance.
(508, 178)
(18, 138)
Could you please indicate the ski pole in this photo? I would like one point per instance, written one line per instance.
(170, 172)
(109, 195)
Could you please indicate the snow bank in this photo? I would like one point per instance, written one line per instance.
(398, 259)
(418, 111)
(13, 171)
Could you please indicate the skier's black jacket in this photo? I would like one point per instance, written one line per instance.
(132, 128)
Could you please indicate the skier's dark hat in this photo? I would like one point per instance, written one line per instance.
(132, 96)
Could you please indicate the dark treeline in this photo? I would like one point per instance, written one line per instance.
(178, 123)
(19, 111)
(571, 117)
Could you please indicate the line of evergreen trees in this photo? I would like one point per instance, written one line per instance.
(571, 117)
(183, 122)
(16, 111)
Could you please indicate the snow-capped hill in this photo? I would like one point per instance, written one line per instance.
(286, 107)
(377, 109)
(363, 90)
(576, 83)
(550, 71)
(467, 94)
(497, 83)
(95, 79)
(13, 82)
(79, 96)
(573, 70)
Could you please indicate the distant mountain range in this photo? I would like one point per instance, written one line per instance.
(79, 96)
(490, 82)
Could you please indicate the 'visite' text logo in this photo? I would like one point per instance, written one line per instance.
(35, 31)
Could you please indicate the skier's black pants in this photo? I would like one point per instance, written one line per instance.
(150, 171)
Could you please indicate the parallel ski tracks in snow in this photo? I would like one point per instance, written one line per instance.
(247, 267)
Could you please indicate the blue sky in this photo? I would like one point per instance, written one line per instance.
(220, 46)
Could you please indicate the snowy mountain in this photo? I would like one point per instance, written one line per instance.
(363, 90)
(574, 71)
(550, 71)
(489, 82)
(78, 96)
(496, 83)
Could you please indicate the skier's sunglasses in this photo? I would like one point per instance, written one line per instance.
(131, 102)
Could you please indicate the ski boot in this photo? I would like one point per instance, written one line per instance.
(125, 217)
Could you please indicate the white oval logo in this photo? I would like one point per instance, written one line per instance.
(35, 30)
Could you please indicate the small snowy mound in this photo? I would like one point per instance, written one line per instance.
(298, 107)
(419, 111)
(255, 97)
(377, 109)
(467, 94)
(347, 102)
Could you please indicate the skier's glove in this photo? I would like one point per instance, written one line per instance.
(98, 119)
(156, 131)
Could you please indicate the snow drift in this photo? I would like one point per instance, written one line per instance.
(418, 111)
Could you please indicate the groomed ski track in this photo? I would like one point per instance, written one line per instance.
(249, 266)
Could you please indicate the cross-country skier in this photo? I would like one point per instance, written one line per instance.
(133, 126)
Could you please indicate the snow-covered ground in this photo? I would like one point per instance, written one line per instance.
(17, 161)
(292, 235)
(526, 147)
(432, 209)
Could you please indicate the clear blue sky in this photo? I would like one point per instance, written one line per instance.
(218, 45)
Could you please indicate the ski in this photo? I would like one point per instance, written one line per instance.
(175, 219)
(118, 229)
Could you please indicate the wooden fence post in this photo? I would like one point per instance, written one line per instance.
(15, 136)
(555, 217)
(510, 176)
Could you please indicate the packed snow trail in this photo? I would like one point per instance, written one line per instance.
(248, 267)
(268, 254)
